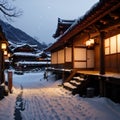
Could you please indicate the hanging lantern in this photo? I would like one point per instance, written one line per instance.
(87, 43)
(5, 52)
(91, 41)
(8, 54)
(3, 46)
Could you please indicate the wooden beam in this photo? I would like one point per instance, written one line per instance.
(105, 29)
(114, 15)
(102, 54)
(71, 75)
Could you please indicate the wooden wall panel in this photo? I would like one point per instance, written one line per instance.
(79, 53)
(61, 56)
(97, 58)
(80, 65)
(68, 54)
(107, 63)
(90, 59)
(118, 65)
(112, 63)
(68, 65)
(54, 58)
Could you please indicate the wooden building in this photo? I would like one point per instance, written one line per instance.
(23, 53)
(91, 46)
(62, 26)
(3, 56)
(26, 57)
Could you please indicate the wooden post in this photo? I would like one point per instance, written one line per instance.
(1, 66)
(10, 81)
(64, 67)
(72, 55)
(102, 54)
(102, 85)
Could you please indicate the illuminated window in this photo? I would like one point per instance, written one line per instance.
(5, 52)
(61, 56)
(54, 58)
(118, 43)
(107, 46)
(113, 45)
(79, 53)
(68, 56)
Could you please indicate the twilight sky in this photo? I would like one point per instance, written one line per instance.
(39, 18)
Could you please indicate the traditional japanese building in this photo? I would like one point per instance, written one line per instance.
(3, 57)
(62, 26)
(27, 57)
(91, 46)
(22, 53)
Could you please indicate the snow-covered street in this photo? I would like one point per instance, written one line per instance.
(47, 100)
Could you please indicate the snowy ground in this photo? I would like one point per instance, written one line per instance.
(46, 100)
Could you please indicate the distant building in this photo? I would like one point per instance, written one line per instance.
(27, 57)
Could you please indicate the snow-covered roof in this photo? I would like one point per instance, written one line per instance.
(33, 62)
(62, 21)
(62, 26)
(98, 11)
(14, 46)
(21, 45)
(25, 54)
(42, 53)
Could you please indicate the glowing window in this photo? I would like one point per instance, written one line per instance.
(113, 45)
(118, 43)
(107, 46)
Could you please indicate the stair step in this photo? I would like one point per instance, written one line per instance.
(68, 84)
(75, 82)
(68, 88)
(78, 78)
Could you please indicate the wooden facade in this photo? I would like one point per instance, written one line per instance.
(74, 49)
(104, 30)
(3, 56)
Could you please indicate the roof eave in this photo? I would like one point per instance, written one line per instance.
(94, 14)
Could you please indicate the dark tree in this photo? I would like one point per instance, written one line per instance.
(8, 10)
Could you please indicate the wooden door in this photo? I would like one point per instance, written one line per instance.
(90, 58)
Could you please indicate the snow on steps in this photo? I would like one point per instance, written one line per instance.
(69, 86)
(73, 83)
(78, 78)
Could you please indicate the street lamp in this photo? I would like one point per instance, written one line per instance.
(5, 52)
(90, 42)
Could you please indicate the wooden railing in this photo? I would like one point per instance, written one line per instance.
(71, 75)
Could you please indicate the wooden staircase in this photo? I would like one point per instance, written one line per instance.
(76, 83)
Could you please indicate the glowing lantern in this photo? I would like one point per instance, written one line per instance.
(3, 46)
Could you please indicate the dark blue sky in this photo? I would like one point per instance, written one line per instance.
(40, 17)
